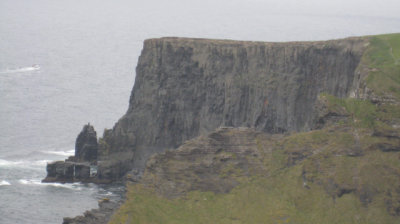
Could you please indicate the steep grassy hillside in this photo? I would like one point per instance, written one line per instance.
(347, 171)
(383, 59)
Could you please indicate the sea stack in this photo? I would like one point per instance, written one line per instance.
(82, 167)
(86, 145)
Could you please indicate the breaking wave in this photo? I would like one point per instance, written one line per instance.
(7, 163)
(20, 70)
(41, 162)
(4, 183)
(73, 186)
(23, 164)
(61, 153)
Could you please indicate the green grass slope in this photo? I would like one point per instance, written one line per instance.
(346, 172)
(383, 58)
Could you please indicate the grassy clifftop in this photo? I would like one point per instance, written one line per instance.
(383, 58)
(348, 171)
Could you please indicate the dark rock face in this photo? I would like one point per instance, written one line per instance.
(188, 87)
(67, 171)
(59, 170)
(80, 167)
(86, 144)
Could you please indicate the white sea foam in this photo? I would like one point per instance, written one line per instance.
(41, 162)
(34, 163)
(108, 193)
(23, 163)
(4, 183)
(7, 163)
(22, 181)
(20, 70)
(73, 186)
(61, 153)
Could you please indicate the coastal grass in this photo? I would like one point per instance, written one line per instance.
(331, 185)
(362, 113)
(284, 197)
(383, 60)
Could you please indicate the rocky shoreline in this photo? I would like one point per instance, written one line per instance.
(99, 215)
(83, 167)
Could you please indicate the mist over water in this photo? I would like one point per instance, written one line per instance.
(66, 63)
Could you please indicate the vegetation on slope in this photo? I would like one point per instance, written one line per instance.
(383, 58)
(346, 172)
(314, 177)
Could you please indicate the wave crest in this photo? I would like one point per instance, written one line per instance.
(73, 186)
(4, 183)
(7, 163)
(61, 153)
(23, 163)
(23, 69)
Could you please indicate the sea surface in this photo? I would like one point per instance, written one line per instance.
(65, 63)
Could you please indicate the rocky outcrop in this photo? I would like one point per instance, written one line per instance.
(67, 171)
(95, 216)
(204, 163)
(188, 87)
(86, 145)
(81, 167)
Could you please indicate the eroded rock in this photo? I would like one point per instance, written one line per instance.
(86, 145)
(80, 167)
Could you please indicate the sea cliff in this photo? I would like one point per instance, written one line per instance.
(188, 87)
(216, 118)
(331, 154)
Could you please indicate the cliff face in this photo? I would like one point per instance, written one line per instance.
(343, 96)
(188, 87)
(349, 165)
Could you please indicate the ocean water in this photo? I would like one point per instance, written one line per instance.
(65, 63)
